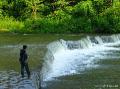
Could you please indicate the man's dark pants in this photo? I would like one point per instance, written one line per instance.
(25, 66)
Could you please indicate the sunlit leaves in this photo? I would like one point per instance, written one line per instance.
(1, 3)
(84, 8)
(34, 6)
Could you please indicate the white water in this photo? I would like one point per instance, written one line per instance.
(72, 57)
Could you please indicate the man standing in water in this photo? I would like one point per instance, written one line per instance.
(24, 61)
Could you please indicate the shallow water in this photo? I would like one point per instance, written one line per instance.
(10, 45)
(12, 80)
(87, 68)
(102, 73)
(83, 64)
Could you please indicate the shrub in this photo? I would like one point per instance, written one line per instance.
(10, 24)
(84, 8)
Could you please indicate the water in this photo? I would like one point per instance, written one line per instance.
(69, 62)
(10, 77)
(12, 80)
(10, 45)
(66, 59)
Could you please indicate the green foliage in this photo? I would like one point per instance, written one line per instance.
(111, 19)
(33, 6)
(58, 25)
(10, 24)
(100, 24)
(14, 8)
(60, 16)
(98, 5)
(84, 8)
(43, 26)
(79, 25)
(0, 9)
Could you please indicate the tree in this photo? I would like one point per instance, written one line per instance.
(84, 8)
(1, 3)
(34, 6)
(14, 8)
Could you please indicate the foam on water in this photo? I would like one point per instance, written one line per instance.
(72, 57)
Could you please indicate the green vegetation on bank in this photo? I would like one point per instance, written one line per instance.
(60, 16)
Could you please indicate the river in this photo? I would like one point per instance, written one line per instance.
(61, 61)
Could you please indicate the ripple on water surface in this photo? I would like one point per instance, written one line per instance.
(13, 80)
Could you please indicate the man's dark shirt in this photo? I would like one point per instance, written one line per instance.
(23, 56)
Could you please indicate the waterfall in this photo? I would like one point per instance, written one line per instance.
(49, 57)
(64, 57)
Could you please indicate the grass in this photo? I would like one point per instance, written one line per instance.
(8, 24)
